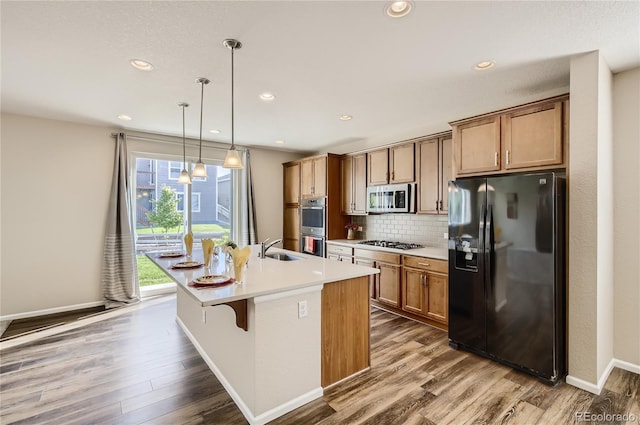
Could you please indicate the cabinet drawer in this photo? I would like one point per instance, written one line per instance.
(338, 249)
(424, 263)
(377, 255)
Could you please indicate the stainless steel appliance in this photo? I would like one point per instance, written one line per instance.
(507, 270)
(392, 198)
(391, 244)
(312, 226)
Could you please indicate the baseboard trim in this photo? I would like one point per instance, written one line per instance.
(265, 417)
(597, 388)
(54, 310)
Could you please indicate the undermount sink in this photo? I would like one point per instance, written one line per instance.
(281, 256)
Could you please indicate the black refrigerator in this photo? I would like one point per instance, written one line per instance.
(507, 270)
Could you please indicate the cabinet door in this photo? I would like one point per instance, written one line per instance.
(533, 137)
(402, 163)
(291, 228)
(388, 287)
(346, 172)
(306, 179)
(320, 177)
(378, 162)
(477, 146)
(360, 184)
(292, 184)
(413, 294)
(437, 297)
(428, 180)
(446, 167)
(372, 278)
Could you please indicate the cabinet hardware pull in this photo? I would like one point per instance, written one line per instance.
(441, 208)
(393, 175)
(507, 156)
(495, 159)
(424, 264)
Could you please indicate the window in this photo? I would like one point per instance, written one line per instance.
(195, 201)
(175, 168)
(211, 203)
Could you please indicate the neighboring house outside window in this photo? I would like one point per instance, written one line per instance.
(175, 168)
(195, 201)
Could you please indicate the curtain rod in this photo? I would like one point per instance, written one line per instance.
(150, 139)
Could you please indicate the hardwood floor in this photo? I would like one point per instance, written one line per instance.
(140, 368)
(23, 326)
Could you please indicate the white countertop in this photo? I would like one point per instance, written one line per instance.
(428, 251)
(263, 276)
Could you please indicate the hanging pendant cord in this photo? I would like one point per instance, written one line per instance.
(201, 107)
(184, 148)
(232, 97)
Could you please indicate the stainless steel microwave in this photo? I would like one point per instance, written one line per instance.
(392, 198)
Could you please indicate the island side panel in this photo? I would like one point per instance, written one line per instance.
(229, 348)
(345, 329)
(287, 350)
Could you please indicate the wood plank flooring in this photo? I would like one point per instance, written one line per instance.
(139, 368)
(23, 326)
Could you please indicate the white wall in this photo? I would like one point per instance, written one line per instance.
(590, 315)
(56, 179)
(55, 183)
(626, 213)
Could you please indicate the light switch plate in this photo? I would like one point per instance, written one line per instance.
(303, 309)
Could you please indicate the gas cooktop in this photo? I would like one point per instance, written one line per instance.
(391, 244)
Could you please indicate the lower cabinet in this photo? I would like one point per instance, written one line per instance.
(425, 288)
(385, 286)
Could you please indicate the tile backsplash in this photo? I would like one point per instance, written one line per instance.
(428, 230)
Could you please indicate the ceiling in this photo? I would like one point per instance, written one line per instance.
(398, 77)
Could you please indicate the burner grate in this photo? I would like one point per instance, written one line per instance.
(391, 244)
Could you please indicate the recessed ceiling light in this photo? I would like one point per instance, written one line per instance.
(481, 66)
(345, 117)
(398, 9)
(267, 96)
(279, 142)
(140, 64)
(214, 131)
(124, 117)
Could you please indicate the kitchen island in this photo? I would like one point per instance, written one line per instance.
(289, 330)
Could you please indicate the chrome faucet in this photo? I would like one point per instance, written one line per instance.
(264, 246)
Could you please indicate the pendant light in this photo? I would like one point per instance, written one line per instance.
(184, 175)
(232, 160)
(200, 170)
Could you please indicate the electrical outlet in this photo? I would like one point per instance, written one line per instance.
(303, 310)
(446, 235)
(204, 316)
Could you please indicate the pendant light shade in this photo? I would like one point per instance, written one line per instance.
(232, 160)
(200, 170)
(184, 175)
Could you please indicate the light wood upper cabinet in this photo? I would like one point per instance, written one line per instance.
(354, 184)
(393, 165)
(527, 137)
(434, 173)
(402, 164)
(378, 167)
(446, 174)
(477, 146)
(291, 183)
(313, 177)
(532, 137)
(320, 176)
